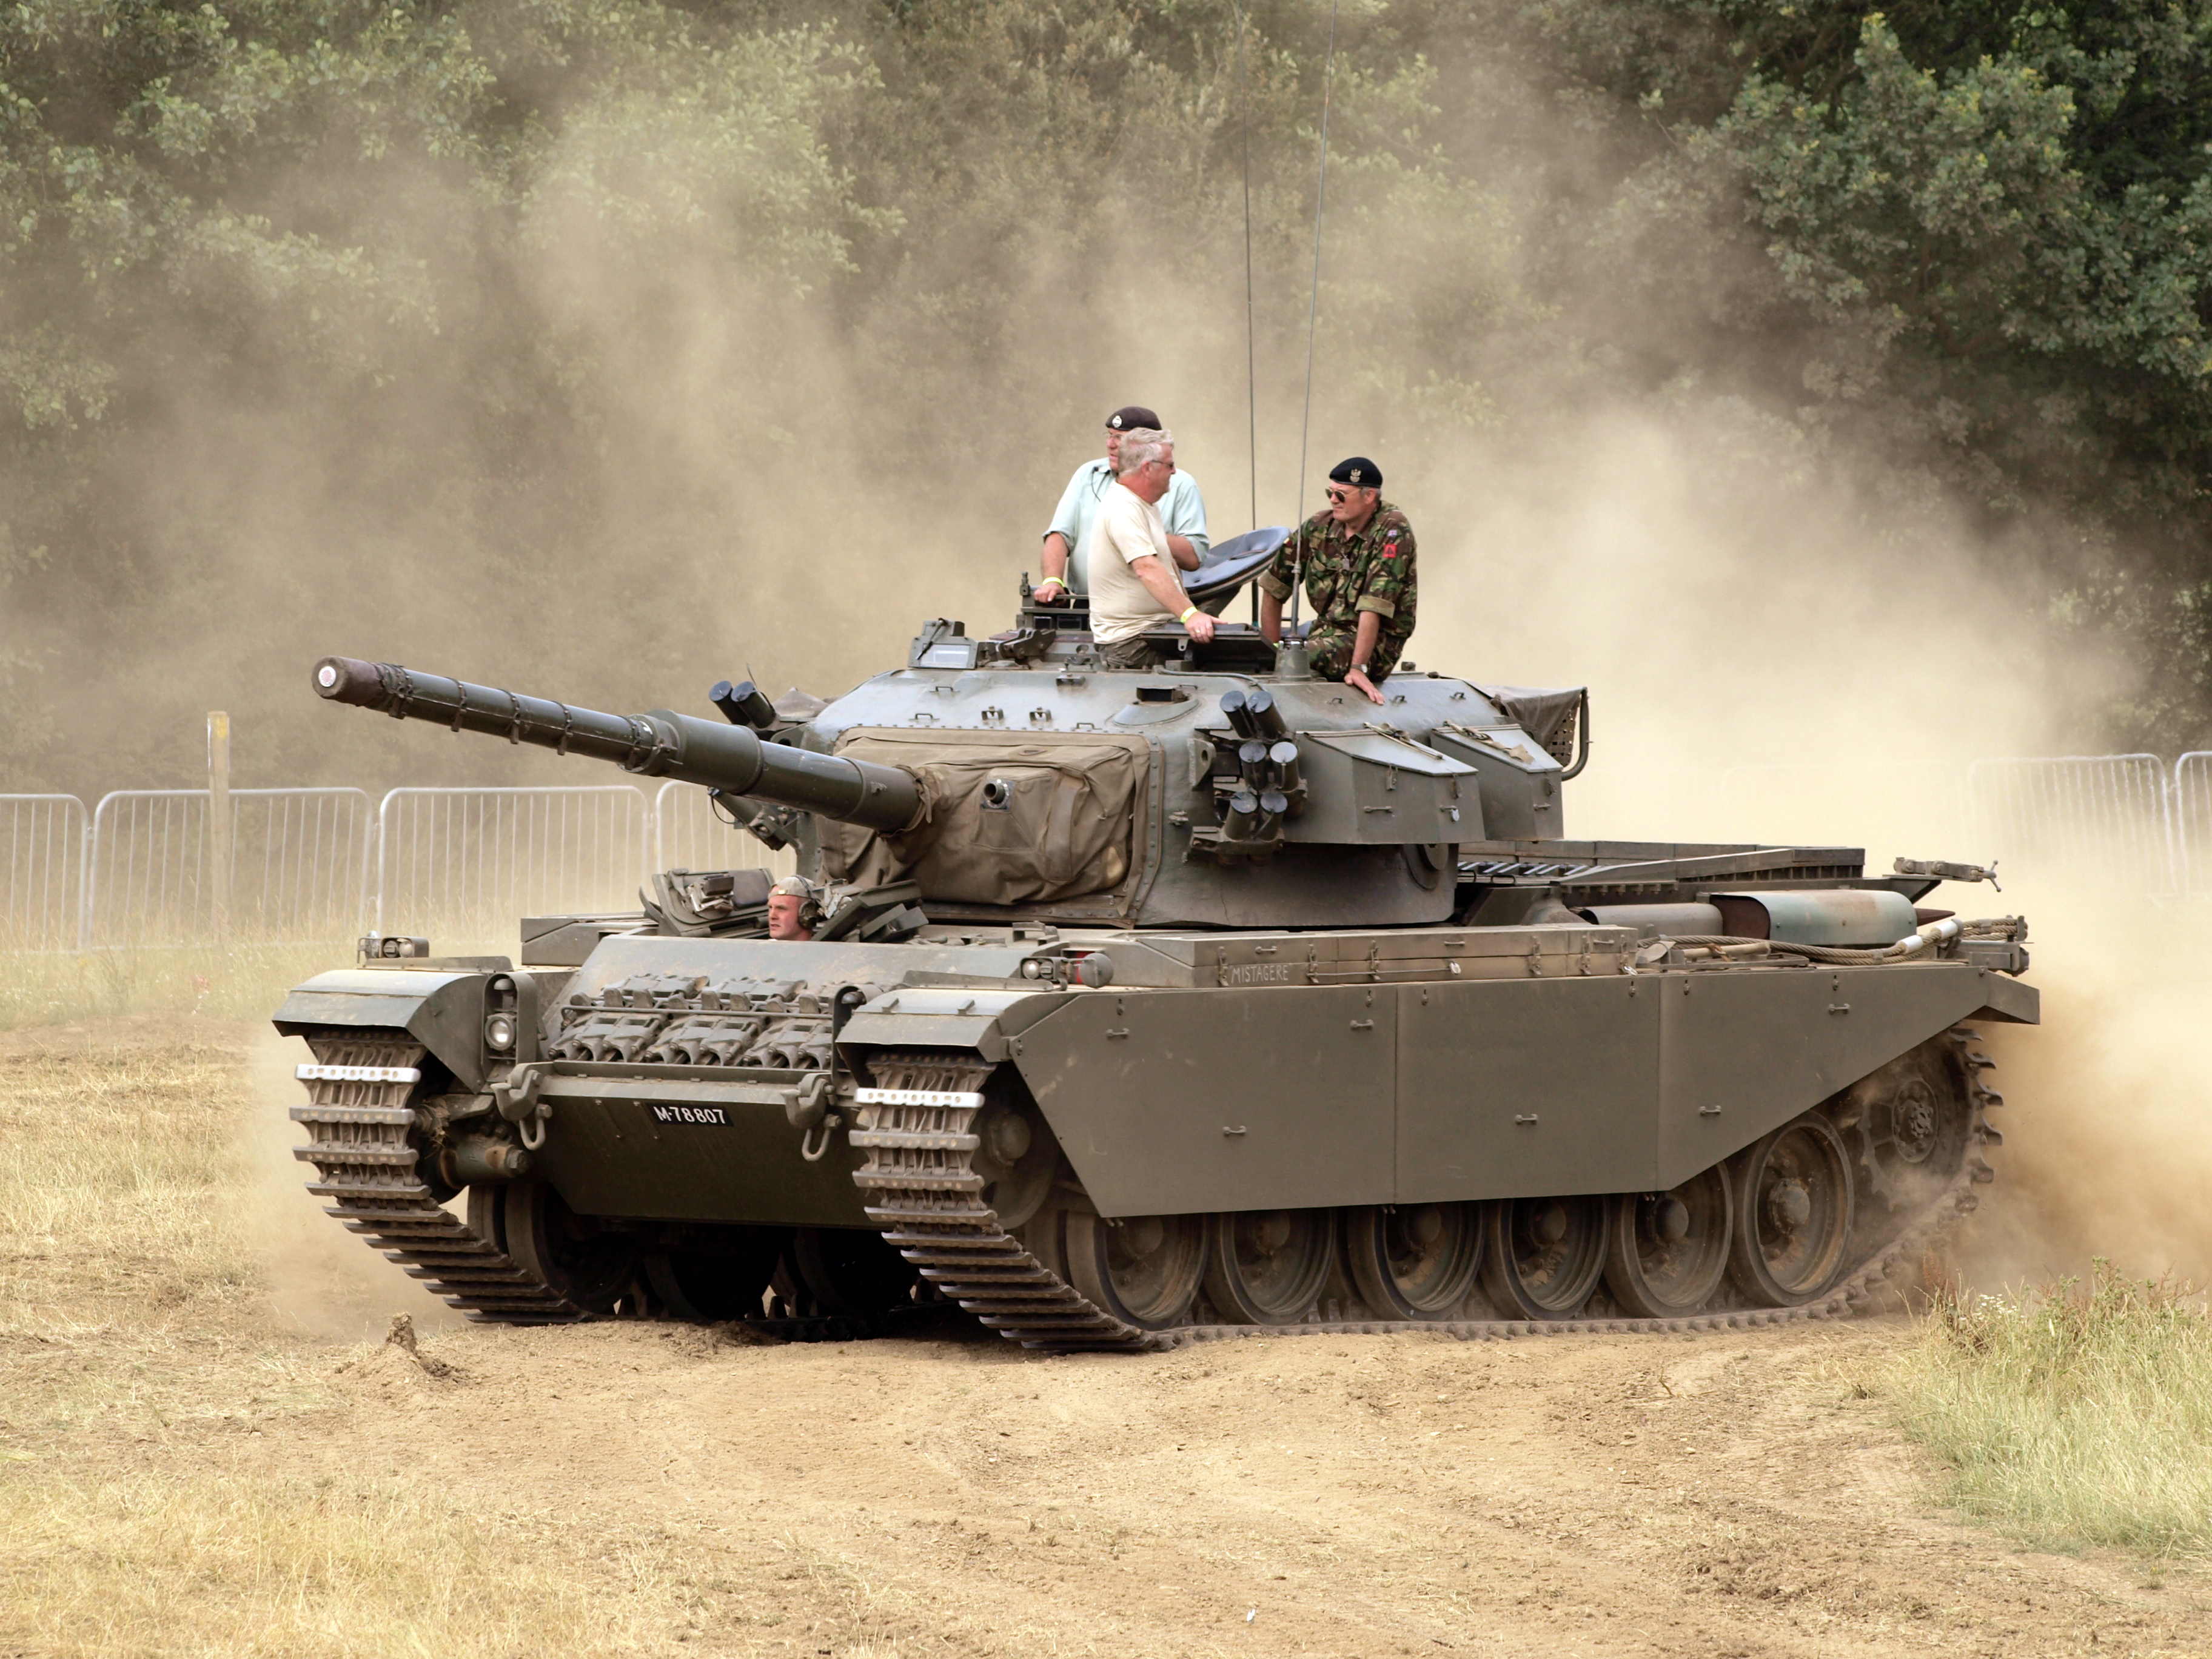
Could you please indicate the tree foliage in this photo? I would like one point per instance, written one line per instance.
(529, 271)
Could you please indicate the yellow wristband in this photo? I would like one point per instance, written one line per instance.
(1188, 614)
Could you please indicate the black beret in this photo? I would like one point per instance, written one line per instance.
(1132, 414)
(1357, 471)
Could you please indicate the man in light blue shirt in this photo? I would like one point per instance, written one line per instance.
(1183, 511)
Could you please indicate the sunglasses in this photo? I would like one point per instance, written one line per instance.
(1337, 494)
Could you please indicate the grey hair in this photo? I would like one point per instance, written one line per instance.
(1140, 444)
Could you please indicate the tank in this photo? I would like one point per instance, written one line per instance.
(1143, 1006)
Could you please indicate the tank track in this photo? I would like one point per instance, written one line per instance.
(366, 1162)
(927, 1196)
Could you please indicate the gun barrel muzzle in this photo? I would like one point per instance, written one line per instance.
(661, 743)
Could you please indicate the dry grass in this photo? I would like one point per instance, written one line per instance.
(257, 1563)
(244, 981)
(121, 1178)
(137, 1361)
(2072, 1414)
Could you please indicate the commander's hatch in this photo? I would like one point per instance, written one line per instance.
(1229, 565)
(1221, 573)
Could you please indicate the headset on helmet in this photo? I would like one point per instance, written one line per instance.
(810, 897)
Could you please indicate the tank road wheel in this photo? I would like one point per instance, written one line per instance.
(1793, 1213)
(1145, 1270)
(1414, 1261)
(845, 1270)
(1669, 1250)
(573, 1253)
(1543, 1256)
(1016, 1152)
(1268, 1267)
(724, 1278)
(1914, 1121)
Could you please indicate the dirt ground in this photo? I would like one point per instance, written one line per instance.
(1721, 1494)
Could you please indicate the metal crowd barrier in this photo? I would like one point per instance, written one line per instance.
(2114, 813)
(2192, 821)
(320, 865)
(297, 868)
(43, 840)
(688, 834)
(468, 862)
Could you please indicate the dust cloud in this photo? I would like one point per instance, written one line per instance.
(2106, 1150)
(1767, 665)
(324, 1281)
(771, 482)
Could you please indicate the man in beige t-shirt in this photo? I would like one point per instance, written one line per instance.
(1134, 584)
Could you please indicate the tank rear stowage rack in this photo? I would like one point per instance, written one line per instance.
(1146, 1007)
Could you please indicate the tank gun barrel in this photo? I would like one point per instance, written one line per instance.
(660, 744)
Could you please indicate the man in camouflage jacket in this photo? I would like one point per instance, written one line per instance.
(1358, 554)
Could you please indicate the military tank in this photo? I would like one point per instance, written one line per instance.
(1146, 1006)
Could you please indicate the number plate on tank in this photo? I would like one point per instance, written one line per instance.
(715, 1117)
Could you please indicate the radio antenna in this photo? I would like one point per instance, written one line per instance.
(1251, 351)
(1313, 311)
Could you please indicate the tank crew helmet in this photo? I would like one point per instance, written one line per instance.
(1131, 416)
(1358, 471)
(809, 897)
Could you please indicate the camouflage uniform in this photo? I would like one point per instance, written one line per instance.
(1347, 573)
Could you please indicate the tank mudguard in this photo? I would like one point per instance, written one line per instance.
(1171, 1102)
(441, 1009)
(940, 1017)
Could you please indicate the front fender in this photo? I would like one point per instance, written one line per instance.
(442, 1010)
(935, 1017)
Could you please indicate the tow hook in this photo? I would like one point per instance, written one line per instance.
(807, 1106)
(516, 1097)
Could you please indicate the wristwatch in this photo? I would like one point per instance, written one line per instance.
(1357, 668)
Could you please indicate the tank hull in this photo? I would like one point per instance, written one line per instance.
(1437, 1086)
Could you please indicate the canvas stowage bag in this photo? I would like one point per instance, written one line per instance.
(1065, 832)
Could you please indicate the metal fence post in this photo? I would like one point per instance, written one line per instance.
(219, 836)
(2192, 812)
(84, 885)
(383, 853)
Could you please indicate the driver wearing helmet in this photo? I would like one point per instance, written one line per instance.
(793, 908)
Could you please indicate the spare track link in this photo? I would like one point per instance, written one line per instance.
(361, 1152)
(925, 1196)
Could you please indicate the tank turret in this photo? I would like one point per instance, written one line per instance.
(1015, 777)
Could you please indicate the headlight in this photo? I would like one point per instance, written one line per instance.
(498, 1032)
